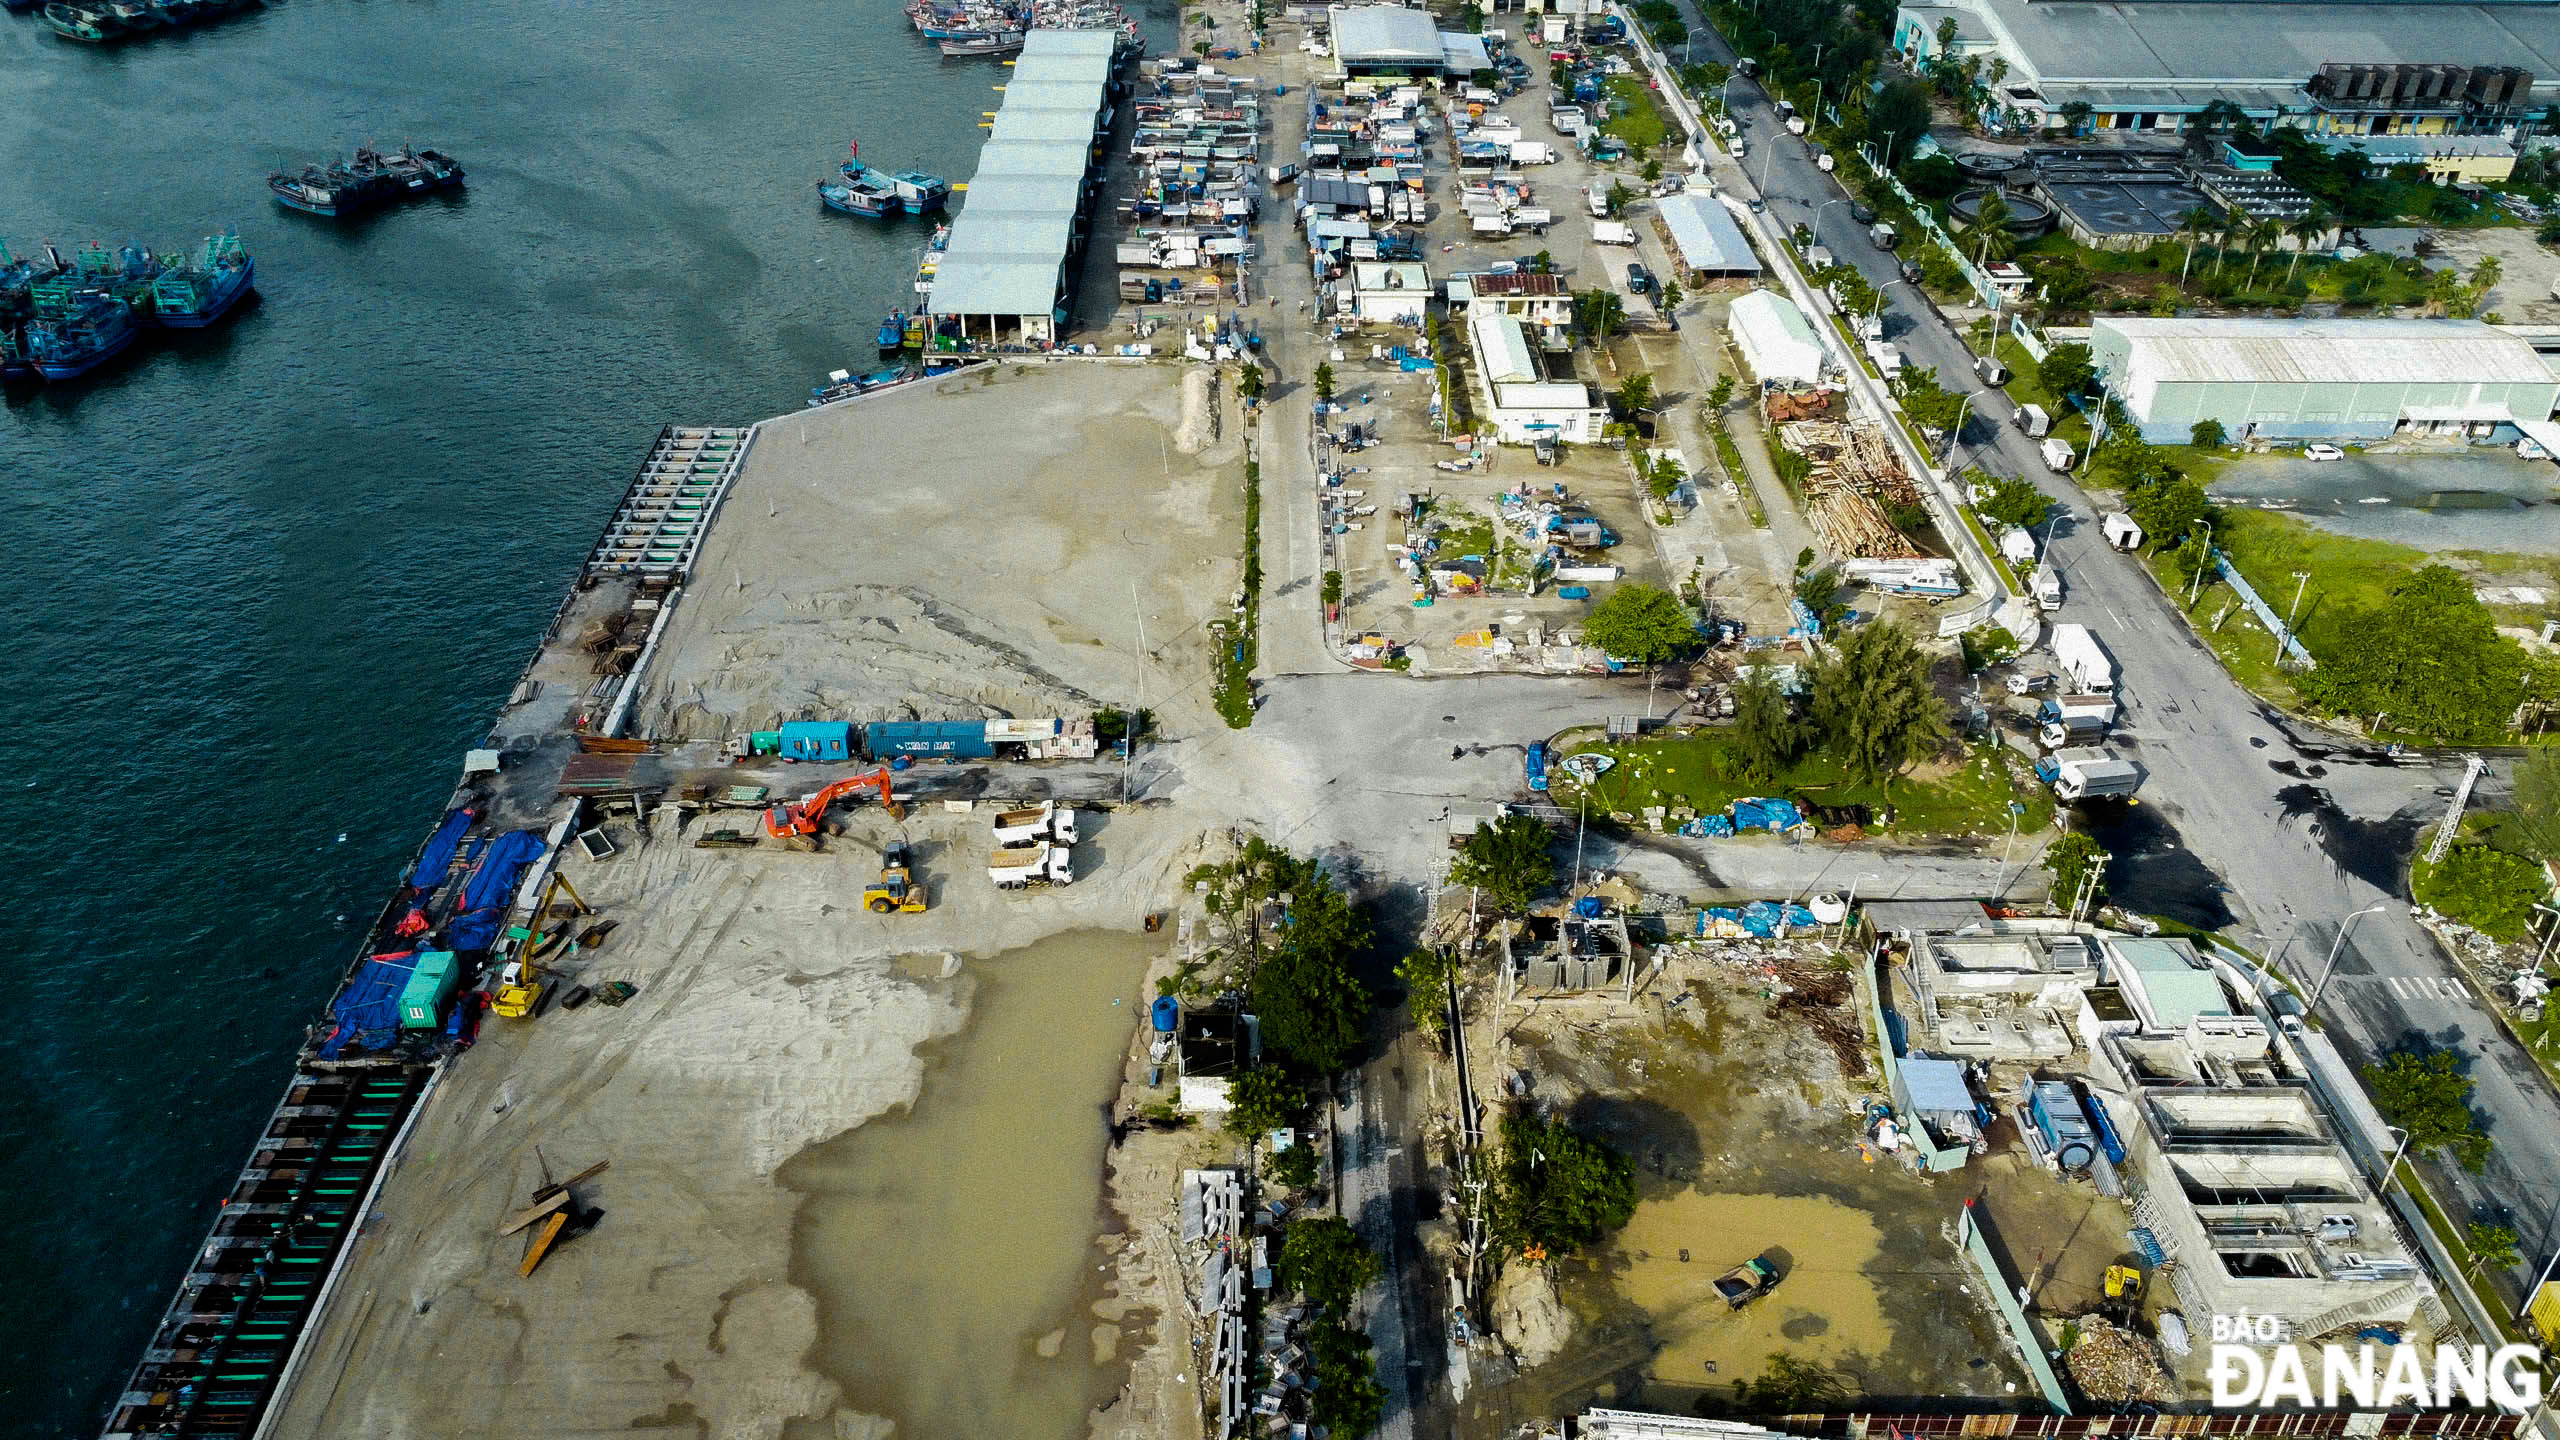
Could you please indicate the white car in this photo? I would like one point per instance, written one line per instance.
(2323, 452)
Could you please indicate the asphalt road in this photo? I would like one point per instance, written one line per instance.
(2247, 819)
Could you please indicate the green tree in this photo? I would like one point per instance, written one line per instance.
(1822, 593)
(1669, 297)
(1323, 1259)
(2014, 502)
(1506, 862)
(1640, 622)
(1990, 229)
(2426, 1094)
(2073, 859)
(1348, 1400)
(1652, 169)
(1873, 705)
(1601, 312)
(1633, 394)
(2489, 890)
(1295, 1168)
(1324, 382)
(1930, 405)
(1767, 735)
(2208, 434)
(1720, 394)
(2492, 1246)
(1558, 1190)
(2076, 115)
(2193, 226)
(1251, 382)
(1314, 1010)
(2308, 229)
(1263, 1099)
(2066, 369)
(1899, 116)
(2169, 512)
(1426, 975)
(1331, 591)
(1618, 197)
(2431, 655)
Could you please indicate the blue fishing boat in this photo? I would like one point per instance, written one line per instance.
(14, 364)
(893, 332)
(852, 198)
(190, 296)
(98, 329)
(919, 193)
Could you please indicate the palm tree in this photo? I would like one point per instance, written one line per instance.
(2261, 236)
(2226, 230)
(2192, 226)
(1991, 229)
(2312, 227)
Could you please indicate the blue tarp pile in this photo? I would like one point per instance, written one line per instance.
(1761, 919)
(1709, 827)
(492, 886)
(1589, 907)
(367, 1012)
(1766, 814)
(436, 861)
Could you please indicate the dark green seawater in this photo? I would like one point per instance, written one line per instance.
(265, 584)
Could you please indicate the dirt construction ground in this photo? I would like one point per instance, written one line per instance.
(978, 545)
(1733, 1166)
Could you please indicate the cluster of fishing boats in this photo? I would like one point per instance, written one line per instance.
(844, 384)
(374, 177)
(876, 193)
(61, 319)
(95, 22)
(965, 28)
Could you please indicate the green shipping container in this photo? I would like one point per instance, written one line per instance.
(430, 985)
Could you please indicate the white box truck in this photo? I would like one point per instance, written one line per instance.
(2046, 586)
(2057, 456)
(1599, 202)
(1612, 232)
(2033, 420)
(2120, 530)
(1532, 217)
(1492, 225)
(2088, 774)
(2084, 661)
(1532, 152)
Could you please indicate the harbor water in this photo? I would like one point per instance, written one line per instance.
(952, 1247)
(271, 579)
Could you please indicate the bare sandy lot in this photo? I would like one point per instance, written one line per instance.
(976, 547)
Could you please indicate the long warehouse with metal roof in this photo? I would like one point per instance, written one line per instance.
(1004, 277)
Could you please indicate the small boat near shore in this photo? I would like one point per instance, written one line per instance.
(893, 333)
(1003, 42)
(82, 23)
(844, 384)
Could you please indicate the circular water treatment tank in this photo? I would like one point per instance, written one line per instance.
(1989, 164)
(2027, 214)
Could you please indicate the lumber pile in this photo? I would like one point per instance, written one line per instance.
(1854, 475)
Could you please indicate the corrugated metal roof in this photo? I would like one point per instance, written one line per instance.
(1774, 337)
(1009, 243)
(2178, 990)
(2376, 351)
(1385, 35)
(1706, 235)
(1502, 349)
(1384, 275)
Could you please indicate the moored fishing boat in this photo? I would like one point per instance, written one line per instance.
(920, 193)
(852, 199)
(893, 332)
(192, 296)
(134, 15)
(931, 263)
(1002, 42)
(81, 22)
(97, 329)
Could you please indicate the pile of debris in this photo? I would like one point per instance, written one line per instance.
(1854, 477)
(1785, 405)
(2116, 1366)
(1820, 995)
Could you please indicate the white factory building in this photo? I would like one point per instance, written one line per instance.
(1522, 405)
(2326, 379)
(1774, 339)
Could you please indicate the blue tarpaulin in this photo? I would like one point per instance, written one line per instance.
(1709, 827)
(367, 1012)
(436, 861)
(1766, 814)
(486, 894)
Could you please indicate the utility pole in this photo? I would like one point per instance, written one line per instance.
(2301, 581)
(2471, 773)
(2197, 583)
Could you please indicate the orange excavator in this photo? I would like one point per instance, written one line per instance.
(797, 820)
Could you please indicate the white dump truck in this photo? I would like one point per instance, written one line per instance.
(2084, 661)
(1023, 867)
(2088, 774)
(1047, 820)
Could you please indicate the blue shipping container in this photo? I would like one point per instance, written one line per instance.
(817, 739)
(920, 739)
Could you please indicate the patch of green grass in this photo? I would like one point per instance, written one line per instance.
(1973, 800)
(2455, 1241)
(1239, 644)
(1640, 123)
(1730, 455)
(1982, 537)
(2024, 387)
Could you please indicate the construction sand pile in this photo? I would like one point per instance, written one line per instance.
(986, 546)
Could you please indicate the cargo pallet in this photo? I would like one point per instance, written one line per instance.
(213, 1365)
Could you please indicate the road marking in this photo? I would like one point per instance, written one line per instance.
(2429, 987)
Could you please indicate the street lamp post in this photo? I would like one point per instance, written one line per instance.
(2331, 965)
(2301, 581)
(1955, 437)
(2197, 583)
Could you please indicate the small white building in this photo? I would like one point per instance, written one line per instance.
(1521, 404)
(1389, 292)
(1774, 339)
(1540, 300)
